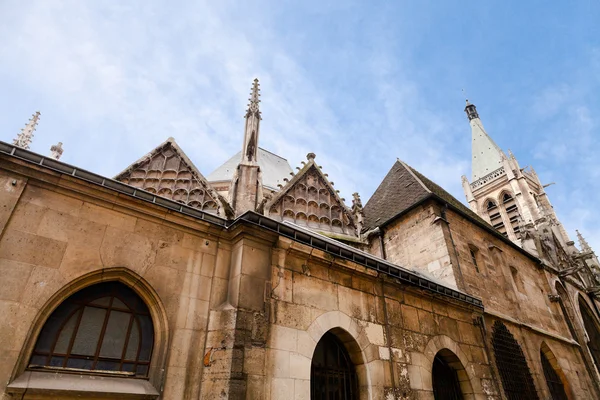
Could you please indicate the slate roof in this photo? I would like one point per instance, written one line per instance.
(273, 167)
(402, 189)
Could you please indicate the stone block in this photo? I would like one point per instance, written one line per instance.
(315, 292)
(283, 338)
(14, 278)
(252, 293)
(52, 200)
(301, 389)
(31, 249)
(299, 366)
(79, 259)
(256, 261)
(375, 334)
(278, 363)
(254, 361)
(305, 344)
(105, 216)
(292, 315)
(26, 217)
(410, 318)
(41, 285)
(282, 388)
(158, 232)
(132, 250)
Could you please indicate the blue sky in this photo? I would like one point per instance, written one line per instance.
(358, 83)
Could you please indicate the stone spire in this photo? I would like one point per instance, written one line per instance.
(357, 212)
(245, 193)
(24, 138)
(252, 128)
(583, 244)
(56, 151)
(487, 156)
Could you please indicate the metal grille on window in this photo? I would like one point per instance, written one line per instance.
(557, 390)
(495, 217)
(445, 381)
(512, 365)
(332, 375)
(104, 327)
(591, 327)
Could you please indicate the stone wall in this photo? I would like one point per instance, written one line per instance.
(54, 239)
(417, 241)
(392, 332)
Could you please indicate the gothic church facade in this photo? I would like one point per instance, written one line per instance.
(255, 282)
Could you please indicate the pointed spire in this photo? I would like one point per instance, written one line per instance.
(56, 151)
(583, 244)
(487, 156)
(253, 107)
(251, 130)
(24, 138)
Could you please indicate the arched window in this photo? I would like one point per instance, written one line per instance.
(518, 280)
(495, 217)
(512, 212)
(512, 365)
(332, 373)
(473, 251)
(555, 384)
(591, 327)
(446, 383)
(104, 327)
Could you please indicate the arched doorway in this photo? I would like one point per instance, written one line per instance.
(591, 327)
(446, 382)
(332, 374)
(551, 373)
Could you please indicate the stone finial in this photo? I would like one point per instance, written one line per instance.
(254, 99)
(24, 138)
(56, 151)
(464, 179)
(311, 156)
(356, 201)
(583, 244)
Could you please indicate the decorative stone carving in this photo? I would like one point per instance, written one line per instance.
(24, 138)
(167, 171)
(56, 151)
(309, 199)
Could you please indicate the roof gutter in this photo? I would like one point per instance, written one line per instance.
(315, 240)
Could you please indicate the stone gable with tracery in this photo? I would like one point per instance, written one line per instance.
(310, 200)
(167, 172)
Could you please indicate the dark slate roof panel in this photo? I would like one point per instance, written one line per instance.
(398, 191)
(447, 197)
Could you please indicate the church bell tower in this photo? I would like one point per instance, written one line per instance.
(509, 197)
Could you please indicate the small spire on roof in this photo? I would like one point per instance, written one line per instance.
(24, 138)
(311, 156)
(585, 247)
(254, 100)
(56, 151)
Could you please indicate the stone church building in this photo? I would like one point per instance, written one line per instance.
(258, 282)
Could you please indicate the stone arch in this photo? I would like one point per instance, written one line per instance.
(364, 354)
(553, 361)
(119, 274)
(501, 200)
(566, 306)
(451, 352)
(591, 325)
